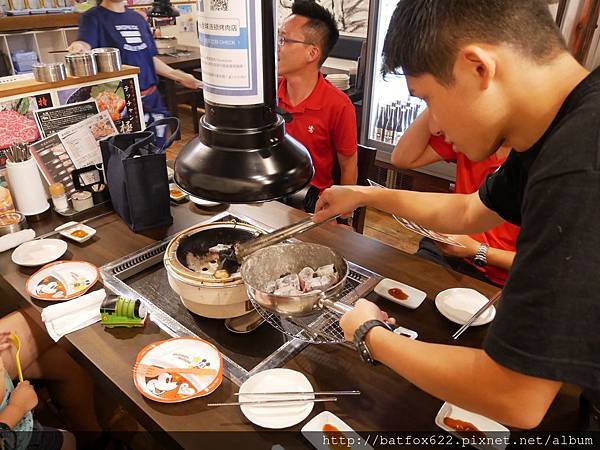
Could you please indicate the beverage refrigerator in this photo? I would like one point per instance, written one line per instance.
(388, 107)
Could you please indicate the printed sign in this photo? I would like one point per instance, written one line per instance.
(231, 51)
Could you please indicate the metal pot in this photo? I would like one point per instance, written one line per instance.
(206, 295)
(81, 64)
(11, 222)
(49, 72)
(108, 59)
(268, 264)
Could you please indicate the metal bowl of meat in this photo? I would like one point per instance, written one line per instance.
(296, 279)
(192, 263)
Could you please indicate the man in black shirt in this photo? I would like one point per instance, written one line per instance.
(497, 72)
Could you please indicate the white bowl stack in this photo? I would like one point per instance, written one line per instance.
(339, 80)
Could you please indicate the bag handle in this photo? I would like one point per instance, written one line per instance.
(171, 122)
(141, 139)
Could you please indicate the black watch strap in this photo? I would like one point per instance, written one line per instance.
(359, 339)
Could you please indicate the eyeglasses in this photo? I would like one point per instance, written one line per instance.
(282, 40)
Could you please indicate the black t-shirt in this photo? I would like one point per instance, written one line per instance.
(548, 325)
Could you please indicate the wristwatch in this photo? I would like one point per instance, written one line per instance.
(480, 258)
(359, 339)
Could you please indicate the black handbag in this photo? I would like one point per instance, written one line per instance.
(136, 175)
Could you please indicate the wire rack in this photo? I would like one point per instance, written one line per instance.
(323, 326)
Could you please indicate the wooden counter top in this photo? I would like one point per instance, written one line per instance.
(38, 21)
(387, 403)
(25, 86)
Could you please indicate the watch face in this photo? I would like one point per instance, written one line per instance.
(479, 262)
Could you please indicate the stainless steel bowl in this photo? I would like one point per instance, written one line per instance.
(12, 222)
(268, 264)
(49, 72)
(108, 59)
(81, 64)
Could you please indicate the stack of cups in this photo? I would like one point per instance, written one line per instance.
(27, 187)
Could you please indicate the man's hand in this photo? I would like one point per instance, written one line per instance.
(468, 251)
(79, 47)
(364, 310)
(338, 200)
(23, 397)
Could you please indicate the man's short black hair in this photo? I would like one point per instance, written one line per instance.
(321, 28)
(425, 36)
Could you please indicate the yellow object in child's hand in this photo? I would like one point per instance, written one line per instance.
(17, 342)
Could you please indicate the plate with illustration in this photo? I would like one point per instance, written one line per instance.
(62, 280)
(178, 369)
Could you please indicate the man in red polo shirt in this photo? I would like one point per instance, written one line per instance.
(487, 255)
(323, 117)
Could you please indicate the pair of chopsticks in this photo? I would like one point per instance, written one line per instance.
(475, 316)
(286, 400)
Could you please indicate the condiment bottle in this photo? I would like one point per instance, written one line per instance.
(59, 198)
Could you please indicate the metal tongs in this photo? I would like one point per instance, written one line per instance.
(231, 258)
(475, 316)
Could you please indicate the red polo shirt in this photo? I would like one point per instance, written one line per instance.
(325, 122)
(469, 176)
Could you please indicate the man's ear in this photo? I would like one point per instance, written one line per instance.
(314, 54)
(477, 62)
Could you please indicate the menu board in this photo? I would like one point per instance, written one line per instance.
(73, 148)
(53, 120)
(117, 97)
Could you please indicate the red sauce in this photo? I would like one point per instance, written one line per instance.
(398, 293)
(79, 234)
(337, 440)
(463, 427)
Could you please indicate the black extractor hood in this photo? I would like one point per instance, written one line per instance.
(242, 153)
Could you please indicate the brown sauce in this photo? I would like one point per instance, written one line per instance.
(463, 427)
(79, 234)
(398, 293)
(337, 440)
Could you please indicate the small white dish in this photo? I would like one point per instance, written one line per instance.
(459, 305)
(281, 415)
(203, 203)
(79, 233)
(498, 433)
(39, 252)
(176, 194)
(318, 432)
(414, 297)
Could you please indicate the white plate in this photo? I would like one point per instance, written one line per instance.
(281, 415)
(202, 202)
(80, 227)
(459, 304)
(314, 433)
(497, 432)
(62, 280)
(37, 253)
(414, 296)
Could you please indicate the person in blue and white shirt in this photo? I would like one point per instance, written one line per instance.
(111, 24)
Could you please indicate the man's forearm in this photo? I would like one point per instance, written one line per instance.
(466, 377)
(500, 258)
(445, 213)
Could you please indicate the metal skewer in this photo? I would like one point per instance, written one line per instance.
(475, 316)
(300, 393)
(276, 402)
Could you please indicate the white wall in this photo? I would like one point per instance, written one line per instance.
(351, 15)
